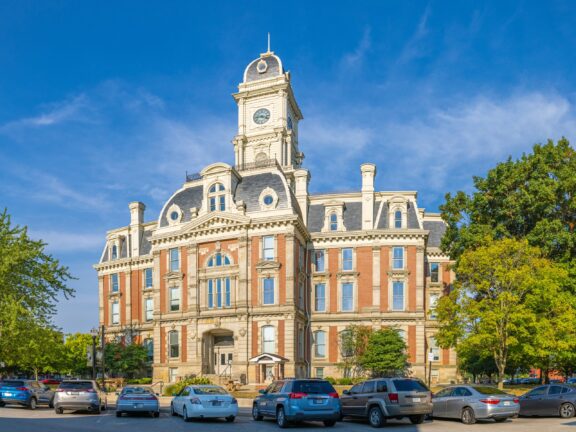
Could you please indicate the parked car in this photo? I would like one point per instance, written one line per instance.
(549, 400)
(571, 381)
(137, 399)
(28, 393)
(79, 395)
(51, 381)
(204, 401)
(298, 400)
(380, 399)
(471, 403)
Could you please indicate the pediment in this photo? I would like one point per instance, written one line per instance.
(268, 265)
(173, 275)
(216, 220)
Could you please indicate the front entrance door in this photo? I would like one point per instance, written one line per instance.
(223, 358)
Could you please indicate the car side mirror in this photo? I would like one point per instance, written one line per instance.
(117, 393)
(262, 392)
(346, 392)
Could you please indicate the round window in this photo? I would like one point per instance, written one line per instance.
(174, 215)
(268, 199)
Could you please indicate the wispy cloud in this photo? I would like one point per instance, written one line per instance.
(413, 48)
(356, 58)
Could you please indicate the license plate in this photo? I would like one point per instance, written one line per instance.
(506, 403)
(138, 405)
(317, 401)
(74, 393)
(416, 400)
(216, 403)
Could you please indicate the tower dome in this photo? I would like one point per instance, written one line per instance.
(268, 65)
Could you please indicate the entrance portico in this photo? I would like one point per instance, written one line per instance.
(269, 367)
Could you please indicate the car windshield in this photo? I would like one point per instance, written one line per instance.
(135, 390)
(209, 391)
(489, 391)
(76, 385)
(409, 385)
(313, 387)
(12, 383)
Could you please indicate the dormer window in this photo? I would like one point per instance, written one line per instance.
(333, 221)
(114, 252)
(217, 197)
(397, 219)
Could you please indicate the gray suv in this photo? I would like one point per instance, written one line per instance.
(298, 400)
(79, 395)
(382, 398)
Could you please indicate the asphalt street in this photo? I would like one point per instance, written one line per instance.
(15, 419)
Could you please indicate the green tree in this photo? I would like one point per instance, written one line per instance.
(31, 281)
(125, 360)
(353, 343)
(499, 298)
(43, 350)
(385, 354)
(75, 349)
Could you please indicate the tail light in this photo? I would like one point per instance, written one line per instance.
(195, 401)
(393, 397)
(298, 395)
(334, 395)
(516, 400)
(234, 401)
(22, 388)
(490, 401)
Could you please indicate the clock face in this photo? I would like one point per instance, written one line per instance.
(261, 116)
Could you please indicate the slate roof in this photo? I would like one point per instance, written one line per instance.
(315, 217)
(274, 69)
(412, 217)
(186, 199)
(145, 245)
(437, 230)
(250, 188)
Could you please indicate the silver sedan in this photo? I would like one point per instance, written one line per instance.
(471, 403)
(137, 399)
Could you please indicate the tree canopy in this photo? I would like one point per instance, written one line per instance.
(385, 354)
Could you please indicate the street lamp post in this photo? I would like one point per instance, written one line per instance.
(103, 344)
(94, 333)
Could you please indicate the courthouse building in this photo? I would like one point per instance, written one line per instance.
(246, 275)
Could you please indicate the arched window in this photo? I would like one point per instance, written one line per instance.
(149, 345)
(114, 252)
(398, 219)
(173, 344)
(269, 339)
(218, 260)
(320, 343)
(333, 222)
(216, 197)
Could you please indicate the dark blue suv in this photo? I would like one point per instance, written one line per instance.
(297, 400)
(28, 393)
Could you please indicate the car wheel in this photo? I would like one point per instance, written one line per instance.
(185, 414)
(51, 403)
(230, 419)
(567, 410)
(156, 414)
(172, 412)
(33, 404)
(281, 418)
(105, 406)
(98, 410)
(329, 423)
(2, 404)
(256, 414)
(468, 416)
(375, 417)
(417, 419)
(59, 411)
(118, 413)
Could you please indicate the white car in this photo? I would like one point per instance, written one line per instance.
(204, 401)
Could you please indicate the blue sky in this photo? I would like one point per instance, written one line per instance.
(103, 103)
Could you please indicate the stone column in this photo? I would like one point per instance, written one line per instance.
(420, 278)
(376, 277)
(192, 283)
(128, 288)
(290, 280)
(243, 285)
(101, 299)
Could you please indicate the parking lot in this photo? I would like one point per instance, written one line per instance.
(16, 419)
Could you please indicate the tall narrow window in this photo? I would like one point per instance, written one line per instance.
(174, 260)
(219, 293)
(320, 297)
(114, 282)
(432, 307)
(333, 222)
(210, 293)
(173, 344)
(149, 345)
(319, 260)
(149, 309)
(114, 252)
(347, 259)
(398, 258)
(227, 292)
(115, 313)
(268, 339)
(434, 272)
(301, 295)
(398, 295)
(301, 257)
(320, 344)
(268, 291)
(397, 219)
(148, 278)
(216, 197)
(268, 248)
(174, 298)
(347, 297)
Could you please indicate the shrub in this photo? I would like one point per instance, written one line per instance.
(345, 381)
(331, 380)
(174, 389)
(139, 381)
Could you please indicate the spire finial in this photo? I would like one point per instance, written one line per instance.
(268, 42)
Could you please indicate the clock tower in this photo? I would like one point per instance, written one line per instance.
(268, 116)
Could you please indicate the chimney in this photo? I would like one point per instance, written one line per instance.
(136, 220)
(302, 178)
(368, 173)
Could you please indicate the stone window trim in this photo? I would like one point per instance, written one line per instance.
(330, 209)
(392, 259)
(326, 284)
(341, 282)
(169, 288)
(274, 277)
(275, 246)
(268, 191)
(144, 309)
(113, 321)
(401, 204)
(213, 256)
(261, 335)
(214, 280)
(439, 274)
(391, 280)
(144, 287)
(341, 260)
(169, 259)
(325, 254)
(216, 196)
(315, 350)
(170, 344)
(174, 208)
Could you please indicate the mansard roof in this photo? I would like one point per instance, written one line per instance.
(437, 230)
(270, 66)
